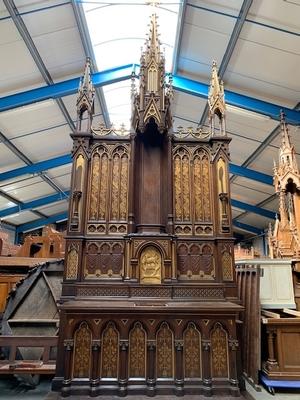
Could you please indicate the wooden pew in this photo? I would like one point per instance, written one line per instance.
(43, 366)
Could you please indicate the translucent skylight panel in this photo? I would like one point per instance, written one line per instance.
(118, 30)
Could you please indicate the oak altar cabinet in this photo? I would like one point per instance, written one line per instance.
(149, 298)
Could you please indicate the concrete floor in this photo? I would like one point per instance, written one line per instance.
(12, 389)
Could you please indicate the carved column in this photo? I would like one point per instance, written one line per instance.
(94, 381)
(233, 345)
(206, 368)
(131, 218)
(271, 362)
(179, 381)
(170, 217)
(123, 374)
(66, 385)
(151, 362)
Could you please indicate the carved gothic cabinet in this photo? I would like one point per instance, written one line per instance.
(149, 291)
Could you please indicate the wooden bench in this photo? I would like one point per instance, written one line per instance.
(43, 366)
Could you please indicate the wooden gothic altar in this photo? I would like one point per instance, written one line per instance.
(149, 294)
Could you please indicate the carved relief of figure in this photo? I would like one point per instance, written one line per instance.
(150, 265)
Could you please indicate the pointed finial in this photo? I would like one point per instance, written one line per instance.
(86, 92)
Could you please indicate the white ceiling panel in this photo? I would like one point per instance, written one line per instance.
(30, 189)
(240, 149)
(17, 68)
(55, 208)
(56, 37)
(188, 107)
(46, 144)
(246, 194)
(63, 181)
(256, 220)
(60, 171)
(21, 218)
(4, 203)
(265, 161)
(31, 119)
(8, 160)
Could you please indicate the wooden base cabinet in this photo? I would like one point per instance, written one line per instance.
(147, 347)
(283, 348)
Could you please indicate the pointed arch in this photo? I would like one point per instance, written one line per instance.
(219, 352)
(137, 351)
(110, 352)
(182, 185)
(82, 351)
(192, 366)
(165, 352)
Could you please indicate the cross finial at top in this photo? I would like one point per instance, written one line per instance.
(154, 3)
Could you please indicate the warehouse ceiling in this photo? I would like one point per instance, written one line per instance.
(43, 46)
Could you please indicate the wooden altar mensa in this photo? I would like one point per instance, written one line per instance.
(149, 294)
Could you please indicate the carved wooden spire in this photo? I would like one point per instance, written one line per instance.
(285, 239)
(216, 102)
(85, 97)
(152, 103)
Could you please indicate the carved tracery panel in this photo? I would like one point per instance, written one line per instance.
(119, 187)
(201, 185)
(182, 185)
(165, 352)
(110, 352)
(137, 352)
(192, 352)
(99, 184)
(82, 351)
(219, 352)
(195, 261)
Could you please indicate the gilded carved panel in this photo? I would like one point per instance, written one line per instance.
(137, 352)
(108, 200)
(72, 261)
(192, 352)
(82, 352)
(219, 352)
(192, 191)
(150, 265)
(227, 265)
(182, 185)
(165, 352)
(110, 352)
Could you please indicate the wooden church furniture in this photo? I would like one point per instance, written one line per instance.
(12, 270)
(13, 365)
(149, 297)
(7, 248)
(282, 341)
(50, 245)
(248, 282)
(31, 308)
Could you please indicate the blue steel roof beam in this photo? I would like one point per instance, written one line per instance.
(37, 168)
(180, 83)
(248, 228)
(55, 162)
(18, 202)
(230, 47)
(20, 25)
(253, 209)
(30, 205)
(65, 88)
(26, 160)
(89, 52)
(29, 226)
(179, 33)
